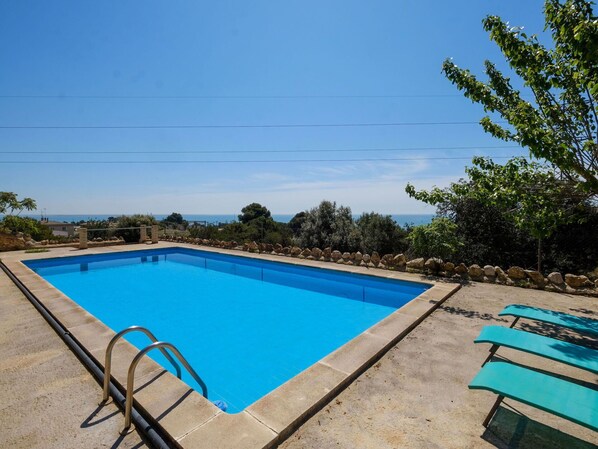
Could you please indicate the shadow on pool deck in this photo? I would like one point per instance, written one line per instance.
(511, 430)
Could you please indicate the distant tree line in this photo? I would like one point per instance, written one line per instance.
(465, 229)
(468, 228)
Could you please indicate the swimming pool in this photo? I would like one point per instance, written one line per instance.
(245, 325)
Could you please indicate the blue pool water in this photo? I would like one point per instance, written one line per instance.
(246, 326)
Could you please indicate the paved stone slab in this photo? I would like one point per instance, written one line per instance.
(292, 400)
(47, 398)
(224, 431)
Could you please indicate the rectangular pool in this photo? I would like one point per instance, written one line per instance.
(245, 325)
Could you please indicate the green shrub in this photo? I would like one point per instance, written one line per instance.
(29, 226)
(437, 239)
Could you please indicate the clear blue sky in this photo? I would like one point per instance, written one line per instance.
(245, 49)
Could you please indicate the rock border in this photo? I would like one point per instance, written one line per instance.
(514, 276)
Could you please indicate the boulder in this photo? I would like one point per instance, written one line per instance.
(475, 272)
(358, 257)
(305, 253)
(286, 250)
(387, 260)
(576, 281)
(489, 271)
(336, 255)
(536, 277)
(316, 253)
(556, 278)
(501, 276)
(461, 269)
(327, 253)
(448, 267)
(400, 260)
(252, 247)
(278, 247)
(375, 258)
(346, 256)
(416, 264)
(516, 273)
(433, 264)
(366, 258)
(295, 251)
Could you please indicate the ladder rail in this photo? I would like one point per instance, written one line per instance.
(108, 358)
(161, 345)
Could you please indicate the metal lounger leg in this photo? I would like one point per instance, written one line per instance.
(493, 410)
(493, 350)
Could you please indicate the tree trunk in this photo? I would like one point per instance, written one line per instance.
(540, 255)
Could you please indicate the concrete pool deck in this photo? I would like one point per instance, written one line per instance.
(47, 397)
(399, 403)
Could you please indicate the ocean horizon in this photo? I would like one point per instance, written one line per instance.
(401, 219)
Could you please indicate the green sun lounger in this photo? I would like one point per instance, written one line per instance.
(542, 391)
(561, 351)
(576, 323)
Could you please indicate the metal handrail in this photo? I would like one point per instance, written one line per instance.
(116, 229)
(131, 376)
(108, 359)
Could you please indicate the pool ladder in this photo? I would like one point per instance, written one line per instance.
(162, 346)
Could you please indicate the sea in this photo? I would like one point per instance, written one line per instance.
(401, 219)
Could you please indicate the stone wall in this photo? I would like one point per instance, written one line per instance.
(513, 276)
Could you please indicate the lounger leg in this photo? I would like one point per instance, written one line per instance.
(493, 410)
(515, 321)
(493, 350)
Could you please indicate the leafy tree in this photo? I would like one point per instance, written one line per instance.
(132, 221)
(9, 204)
(253, 211)
(296, 222)
(379, 233)
(572, 247)
(561, 123)
(176, 221)
(488, 233)
(329, 226)
(527, 191)
(437, 239)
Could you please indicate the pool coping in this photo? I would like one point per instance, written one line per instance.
(192, 421)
